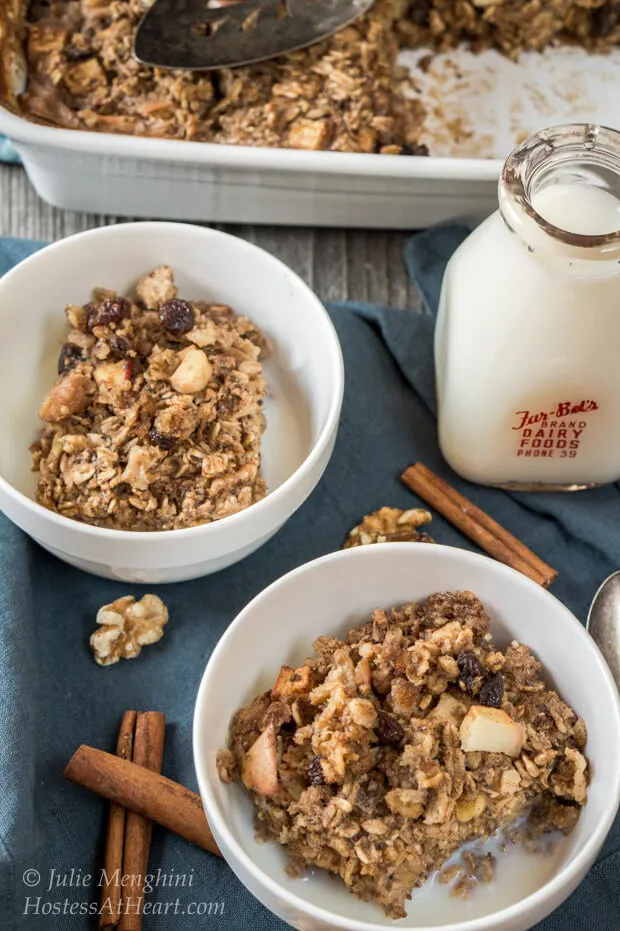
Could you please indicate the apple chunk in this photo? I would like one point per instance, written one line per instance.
(292, 683)
(490, 730)
(259, 770)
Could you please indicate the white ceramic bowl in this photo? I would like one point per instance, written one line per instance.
(336, 592)
(304, 373)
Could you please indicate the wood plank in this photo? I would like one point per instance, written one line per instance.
(330, 265)
(340, 265)
(293, 246)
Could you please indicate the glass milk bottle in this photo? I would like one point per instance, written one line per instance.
(527, 346)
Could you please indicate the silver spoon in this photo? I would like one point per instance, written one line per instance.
(205, 34)
(603, 622)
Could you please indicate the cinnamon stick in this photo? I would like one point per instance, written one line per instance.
(147, 793)
(476, 524)
(113, 863)
(148, 752)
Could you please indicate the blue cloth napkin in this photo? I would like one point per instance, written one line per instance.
(7, 152)
(53, 696)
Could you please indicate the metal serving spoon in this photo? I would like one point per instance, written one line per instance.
(204, 34)
(603, 622)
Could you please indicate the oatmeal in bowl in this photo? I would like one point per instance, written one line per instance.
(388, 749)
(167, 440)
(438, 758)
(156, 417)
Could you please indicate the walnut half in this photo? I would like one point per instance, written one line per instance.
(126, 626)
(390, 525)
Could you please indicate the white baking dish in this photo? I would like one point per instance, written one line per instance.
(478, 107)
(135, 176)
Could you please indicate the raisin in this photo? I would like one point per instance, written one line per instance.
(470, 669)
(605, 19)
(419, 150)
(492, 691)
(315, 772)
(69, 357)
(138, 366)
(177, 316)
(389, 731)
(74, 54)
(161, 440)
(119, 347)
(420, 11)
(108, 312)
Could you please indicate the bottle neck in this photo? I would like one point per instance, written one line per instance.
(559, 194)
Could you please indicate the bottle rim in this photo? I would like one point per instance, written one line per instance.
(576, 144)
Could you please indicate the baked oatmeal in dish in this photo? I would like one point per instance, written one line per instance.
(385, 752)
(155, 420)
(347, 93)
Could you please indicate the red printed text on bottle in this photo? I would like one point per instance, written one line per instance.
(553, 434)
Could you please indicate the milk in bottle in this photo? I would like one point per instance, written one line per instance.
(527, 346)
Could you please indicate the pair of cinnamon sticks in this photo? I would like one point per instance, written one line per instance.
(140, 740)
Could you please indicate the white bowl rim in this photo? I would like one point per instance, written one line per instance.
(336, 365)
(485, 923)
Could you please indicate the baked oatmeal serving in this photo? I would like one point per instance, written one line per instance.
(385, 752)
(155, 420)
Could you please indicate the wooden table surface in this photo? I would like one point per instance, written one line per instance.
(339, 265)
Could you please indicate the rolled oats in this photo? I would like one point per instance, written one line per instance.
(148, 428)
(127, 625)
(357, 765)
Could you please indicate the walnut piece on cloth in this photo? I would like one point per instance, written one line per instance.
(126, 626)
(390, 525)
